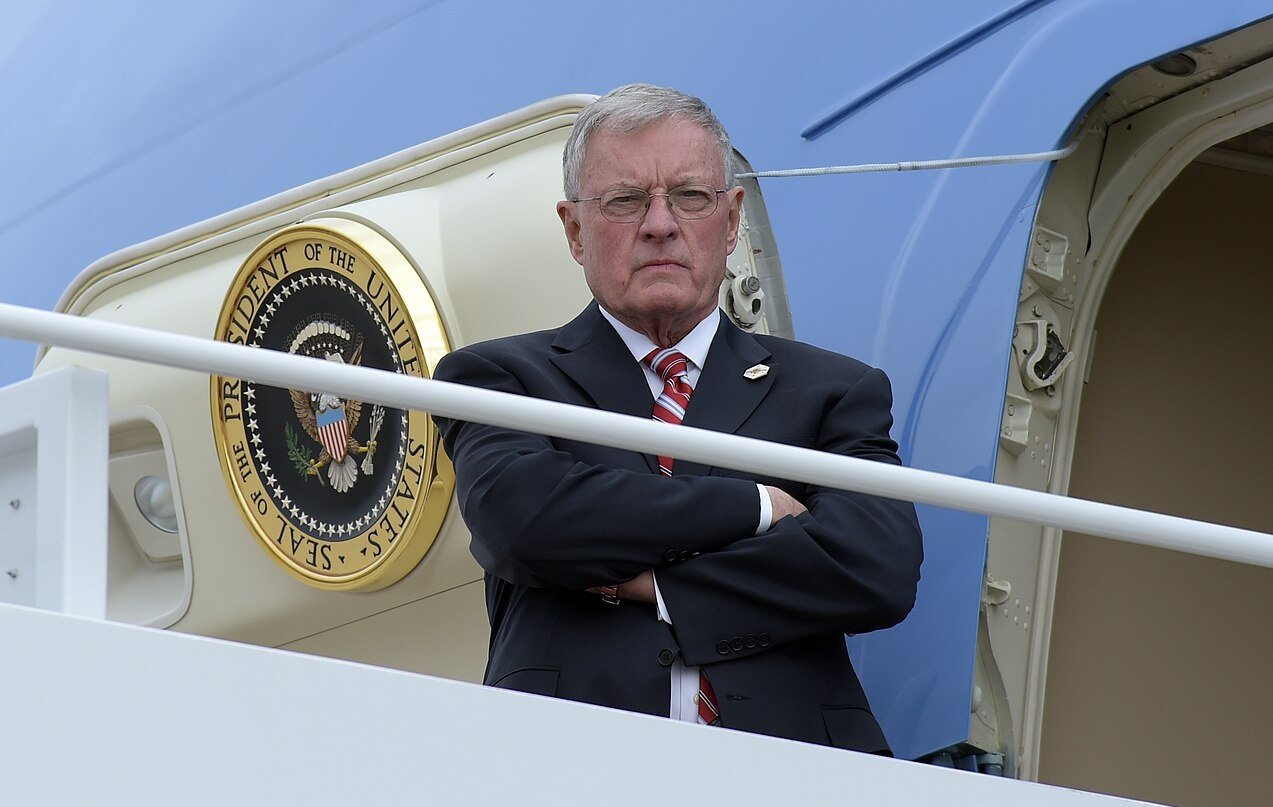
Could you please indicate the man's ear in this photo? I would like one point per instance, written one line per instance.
(734, 200)
(570, 222)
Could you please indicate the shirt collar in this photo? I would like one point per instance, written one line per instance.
(694, 345)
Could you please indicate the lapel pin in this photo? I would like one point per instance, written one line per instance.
(756, 371)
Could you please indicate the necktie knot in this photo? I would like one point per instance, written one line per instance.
(667, 363)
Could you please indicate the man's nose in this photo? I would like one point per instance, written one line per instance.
(659, 223)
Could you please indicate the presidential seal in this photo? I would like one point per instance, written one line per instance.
(343, 493)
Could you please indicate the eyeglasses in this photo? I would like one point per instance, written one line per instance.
(629, 205)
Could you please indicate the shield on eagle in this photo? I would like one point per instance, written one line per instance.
(333, 430)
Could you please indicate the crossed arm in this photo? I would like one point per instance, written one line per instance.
(641, 588)
(831, 561)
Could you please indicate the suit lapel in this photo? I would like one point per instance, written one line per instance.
(723, 397)
(595, 358)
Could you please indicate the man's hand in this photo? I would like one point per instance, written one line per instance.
(638, 589)
(783, 504)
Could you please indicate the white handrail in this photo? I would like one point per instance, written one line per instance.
(638, 434)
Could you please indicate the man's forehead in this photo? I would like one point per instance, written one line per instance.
(670, 150)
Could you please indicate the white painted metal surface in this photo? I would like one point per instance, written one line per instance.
(103, 713)
(53, 445)
(606, 428)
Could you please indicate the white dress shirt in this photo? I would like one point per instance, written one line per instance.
(694, 346)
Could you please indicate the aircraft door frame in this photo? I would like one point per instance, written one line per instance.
(1089, 208)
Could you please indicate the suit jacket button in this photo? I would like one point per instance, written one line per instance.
(764, 639)
(751, 640)
(685, 555)
(669, 555)
(722, 647)
(666, 657)
(736, 643)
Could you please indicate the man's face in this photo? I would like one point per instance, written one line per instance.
(662, 268)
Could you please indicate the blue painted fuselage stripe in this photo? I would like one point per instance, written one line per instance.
(935, 57)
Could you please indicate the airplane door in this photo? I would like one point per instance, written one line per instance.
(1130, 670)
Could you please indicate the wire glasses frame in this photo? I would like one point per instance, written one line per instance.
(629, 205)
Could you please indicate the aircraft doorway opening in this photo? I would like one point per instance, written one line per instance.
(1139, 376)
(1158, 671)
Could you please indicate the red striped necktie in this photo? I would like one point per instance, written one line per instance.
(672, 366)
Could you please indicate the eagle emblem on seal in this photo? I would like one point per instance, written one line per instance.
(326, 418)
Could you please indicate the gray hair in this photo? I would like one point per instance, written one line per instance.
(630, 108)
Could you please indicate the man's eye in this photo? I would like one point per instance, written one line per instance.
(692, 197)
(624, 199)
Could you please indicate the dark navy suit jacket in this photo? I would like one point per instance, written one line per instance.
(765, 615)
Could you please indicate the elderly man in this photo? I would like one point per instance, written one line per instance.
(660, 585)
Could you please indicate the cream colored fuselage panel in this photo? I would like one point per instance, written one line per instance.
(484, 237)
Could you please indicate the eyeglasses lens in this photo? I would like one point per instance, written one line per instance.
(626, 205)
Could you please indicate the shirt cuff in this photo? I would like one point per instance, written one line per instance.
(766, 516)
(658, 599)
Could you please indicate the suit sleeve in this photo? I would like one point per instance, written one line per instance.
(850, 564)
(539, 517)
